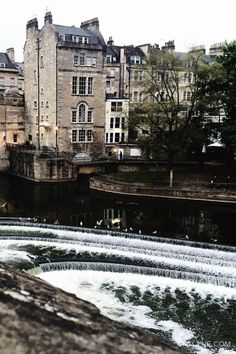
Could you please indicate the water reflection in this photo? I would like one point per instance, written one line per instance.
(74, 204)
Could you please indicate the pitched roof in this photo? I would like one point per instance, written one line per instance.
(77, 31)
(4, 59)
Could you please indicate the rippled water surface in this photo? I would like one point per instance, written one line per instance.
(181, 290)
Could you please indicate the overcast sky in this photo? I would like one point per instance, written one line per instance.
(187, 22)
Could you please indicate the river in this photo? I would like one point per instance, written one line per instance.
(168, 267)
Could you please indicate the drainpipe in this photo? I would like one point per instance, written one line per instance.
(38, 94)
(56, 122)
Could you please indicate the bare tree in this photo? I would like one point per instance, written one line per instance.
(171, 106)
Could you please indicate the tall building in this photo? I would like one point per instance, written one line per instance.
(65, 86)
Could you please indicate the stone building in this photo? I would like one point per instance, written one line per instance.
(65, 86)
(12, 131)
(11, 73)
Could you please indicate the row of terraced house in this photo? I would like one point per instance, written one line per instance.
(73, 92)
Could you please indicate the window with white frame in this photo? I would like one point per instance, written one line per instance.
(111, 122)
(35, 104)
(108, 59)
(82, 135)
(123, 122)
(90, 85)
(82, 85)
(117, 122)
(42, 118)
(106, 137)
(76, 60)
(90, 116)
(82, 59)
(111, 137)
(94, 61)
(46, 118)
(14, 138)
(74, 116)
(74, 133)
(89, 135)
(116, 106)
(117, 137)
(89, 61)
(82, 113)
(85, 85)
(47, 104)
(74, 85)
(187, 95)
(135, 59)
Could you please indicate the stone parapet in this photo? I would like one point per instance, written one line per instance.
(105, 184)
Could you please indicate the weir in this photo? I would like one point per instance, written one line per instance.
(121, 268)
(134, 253)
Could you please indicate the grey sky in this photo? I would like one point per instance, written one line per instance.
(188, 22)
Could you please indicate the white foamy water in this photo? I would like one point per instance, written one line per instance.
(194, 268)
(96, 287)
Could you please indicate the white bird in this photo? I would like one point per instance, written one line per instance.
(139, 231)
(187, 237)
(3, 205)
(131, 229)
(125, 230)
(81, 223)
(154, 232)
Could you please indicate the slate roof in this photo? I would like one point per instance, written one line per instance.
(77, 31)
(114, 51)
(4, 59)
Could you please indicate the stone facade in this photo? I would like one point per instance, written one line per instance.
(65, 86)
(11, 73)
(12, 132)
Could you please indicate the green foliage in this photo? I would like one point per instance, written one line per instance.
(165, 119)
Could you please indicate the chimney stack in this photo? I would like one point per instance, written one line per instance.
(110, 41)
(48, 17)
(92, 25)
(11, 54)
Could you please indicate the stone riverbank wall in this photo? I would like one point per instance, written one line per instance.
(106, 184)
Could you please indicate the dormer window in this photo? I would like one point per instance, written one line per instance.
(2, 65)
(80, 40)
(108, 58)
(62, 37)
(135, 59)
(75, 39)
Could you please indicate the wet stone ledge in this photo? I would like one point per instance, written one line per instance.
(38, 318)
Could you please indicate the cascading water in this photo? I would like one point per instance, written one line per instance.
(175, 288)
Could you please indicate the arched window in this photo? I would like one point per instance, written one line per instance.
(82, 113)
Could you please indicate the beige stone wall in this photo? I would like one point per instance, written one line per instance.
(11, 79)
(55, 87)
(31, 83)
(67, 101)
